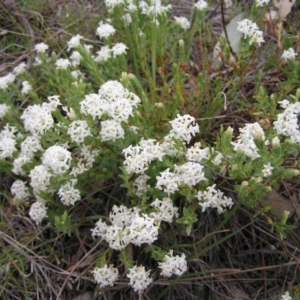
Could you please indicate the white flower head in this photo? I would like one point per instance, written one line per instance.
(286, 296)
(62, 63)
(93, 105)
(110, 4)
(26, 87)
(6, 80)
(18, 164)
(74, 41)
(184, 127)
(128, 226)
(75, 58)
(246, 140)
(214, 198)
(105, 30)
(41, 47)
(201, 5)
(68, 194)
(287, 122)
(190, 173)
(289, 54)
(168, 182)
(183, 22)
(165, 210)
(261, 3)
(106, 276)
(20, 190)
(176, 265)
(267, 170)
(127, 19)
(78, 131)
(103, 55)
(20, 69)
(251, 31)
(30, 146)
(40, 178)
(3, 110)
(140, 184)
(119, 49)
(37, 119)
(7, 142)
(111, 130)
(139, 278)
(38, 211)
(57, 158)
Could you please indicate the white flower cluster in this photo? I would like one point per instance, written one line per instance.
(68, 194)
(201, 5)
(251, 30)
(20, 69)
(139, 278)
(189, 174)
(57, 158)
(85, 161)
(113, 100)
(127, 226)
(63, 63)
(176, 265)
(20, 190)
(111, 130)
(75, 58)
(74, 42)
(286, 296)
(260, 3)
(183, 22)
(105, 30)
(287, 122)
(154, 8)
(40, 178)
(140, 184)
(138, 158)
(197, 153)
(267, 170)
(38, 211)
(106, 275)
(167, 181)
(37, 119)
(214, 198)
(184, 127)
(7, 141)
(3, 110)
(165, 210)
(246, 140)
(6, 80)
(106, 52)
(288, 54)
(26, 87)
(41, 47)
(29, 147)
(110, 4)
(78, 130)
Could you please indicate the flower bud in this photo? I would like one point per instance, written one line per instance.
(275, 142)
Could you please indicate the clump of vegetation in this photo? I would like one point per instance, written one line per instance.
(148, 157)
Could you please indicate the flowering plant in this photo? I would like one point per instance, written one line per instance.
(111, 136)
